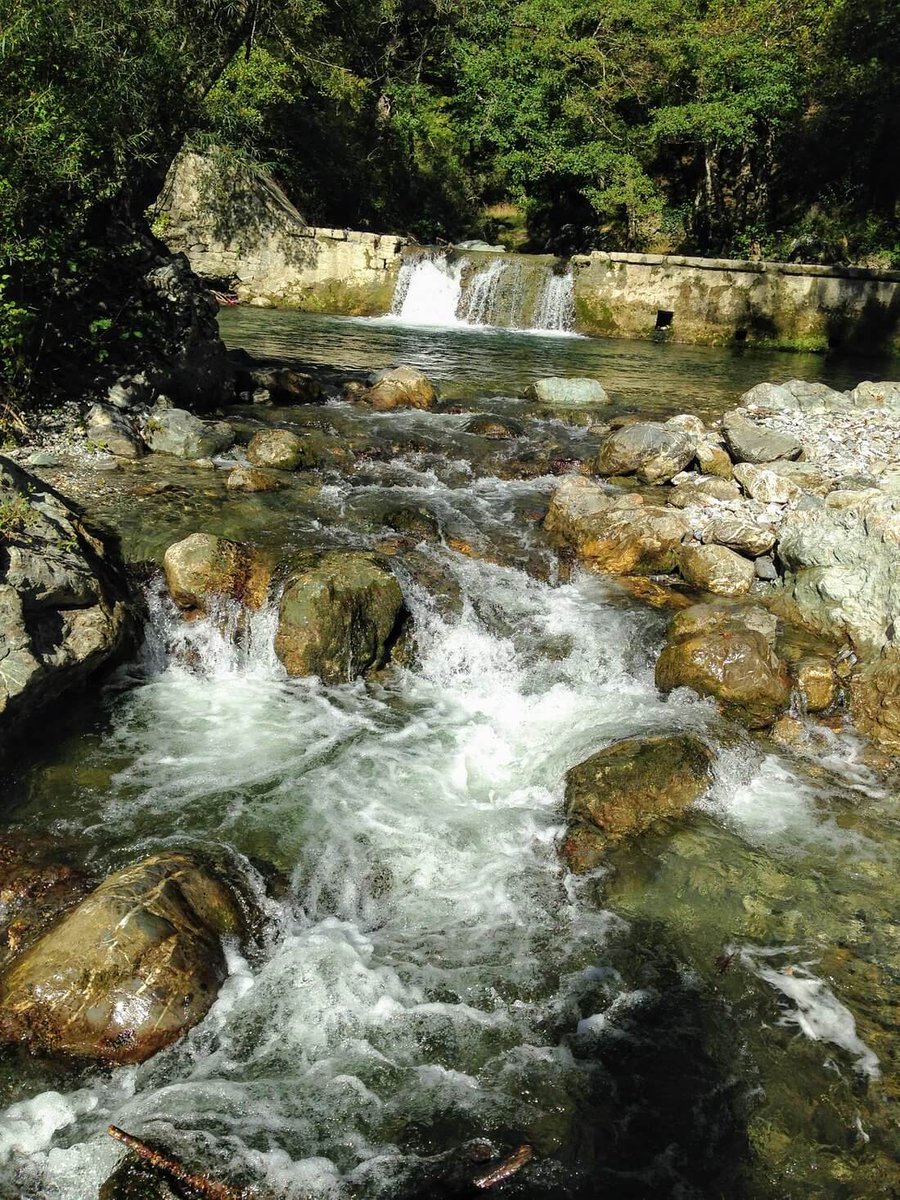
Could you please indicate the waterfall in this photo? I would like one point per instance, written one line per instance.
(484, 290)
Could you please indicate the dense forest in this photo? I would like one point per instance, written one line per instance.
(763, 127)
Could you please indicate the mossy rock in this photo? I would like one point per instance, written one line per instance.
(629, 787)
(340, 617)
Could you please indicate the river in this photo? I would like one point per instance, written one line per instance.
(707, 1015)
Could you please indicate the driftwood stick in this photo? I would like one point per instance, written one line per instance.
(509, 1166)
(171, 1166)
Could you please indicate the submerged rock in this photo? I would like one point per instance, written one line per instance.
(629, 787)
(252, 479)
(285, 385)
(177, 431)
(129, 970)
(341, 615)
(727, 653)
(202, 567)
(65, 609)
(399, 387)
(612, 532)
(491, 426)
(36, 887)
(653, 451)
(570, 393)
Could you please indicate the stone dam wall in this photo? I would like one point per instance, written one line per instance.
(238, 227)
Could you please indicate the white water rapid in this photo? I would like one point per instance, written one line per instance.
(479, 290)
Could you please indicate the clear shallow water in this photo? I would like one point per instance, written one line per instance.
(429, 975)
(647, 376)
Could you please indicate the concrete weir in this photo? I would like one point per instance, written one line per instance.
(710, 301)
(236, 226)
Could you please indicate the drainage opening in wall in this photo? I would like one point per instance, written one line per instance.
(664, 318)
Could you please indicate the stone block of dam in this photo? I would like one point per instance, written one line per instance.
(237, 227)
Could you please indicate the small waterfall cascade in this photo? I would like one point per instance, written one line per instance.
(476, 289)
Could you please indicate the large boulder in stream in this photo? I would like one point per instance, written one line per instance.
(649, 449)
(613, 532)
(65, 610)
(202, 567)
(556, 391)
(628, 788)
(129, 970)
(399, 387)
(341, 616)
(727, 653)
(178, 432)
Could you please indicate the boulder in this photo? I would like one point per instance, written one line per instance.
(65, 607)
(278, 448)
(716, 569)
(714, 460)
(203, 567)
(740, 533)
(112, 430)
(753, 443)
(399, 387)
(252, 479)
(555, 391)
(36, 887)
(875, 696)
(284, 385)
(129, 970)
(653, 451)
(612, 532)
(341, 615)
(178, 432)
(722, 655)
(628, 788)
(796, 395)
(490, 426)
(701, 491)
(876, 395)
(764, 485)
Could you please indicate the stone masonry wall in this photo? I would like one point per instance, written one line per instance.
(237, 226)
(717, 301)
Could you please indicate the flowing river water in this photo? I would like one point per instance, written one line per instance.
(426, 977)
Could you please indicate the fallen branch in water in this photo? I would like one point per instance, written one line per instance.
(509, 1166)
(171, 1166)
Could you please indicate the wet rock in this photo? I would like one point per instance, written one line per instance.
(653, 451)
(752, 443)
(765, 568)
(816, 681)
(278, 448)
(739, 533)
(65, 608)
(36, 887)
(129, 970)
(399, 387)
(875, 695)
(614, 533)
(178, 432)
(252, 479)
(569, 393)
(490, 426)
(285, 385)
(628, 788)
(716, 569)
(340, 616)
(764, 485)
(112, 430)
(721, 654)
(202, 567)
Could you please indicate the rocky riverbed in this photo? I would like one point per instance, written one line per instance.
(540, 668)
